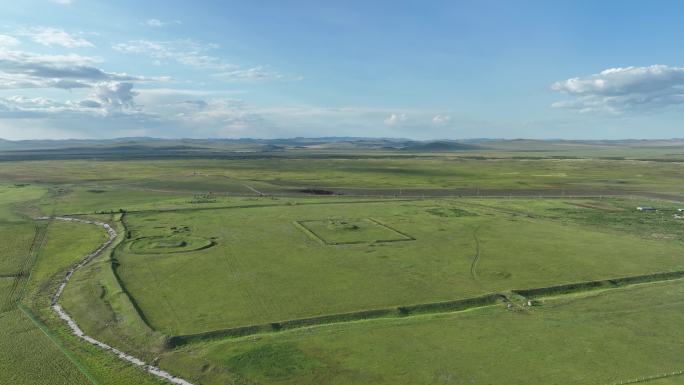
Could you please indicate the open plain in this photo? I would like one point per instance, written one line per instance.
(347, 266)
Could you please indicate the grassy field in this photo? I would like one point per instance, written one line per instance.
(233, 271)
(16, 257)
(66, 244)
(618, 214)
(418, 252)
(131, 183)
(34, 356)
(18, 238)
(102, 307)
(16, 198)
(28, 356)
(601, 338)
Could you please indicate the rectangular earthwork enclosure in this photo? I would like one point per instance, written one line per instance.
(351, 231)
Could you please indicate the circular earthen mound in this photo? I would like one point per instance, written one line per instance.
(170, 244)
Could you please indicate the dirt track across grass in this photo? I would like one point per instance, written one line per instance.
(476, 257)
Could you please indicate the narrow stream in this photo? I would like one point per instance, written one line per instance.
(75, 330)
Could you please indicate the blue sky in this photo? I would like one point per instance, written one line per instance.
(415, 69)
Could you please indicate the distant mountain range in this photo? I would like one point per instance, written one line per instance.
(334, 142)
(145, 147)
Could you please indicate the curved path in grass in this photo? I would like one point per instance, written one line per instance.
(75, 330)
(476, 257)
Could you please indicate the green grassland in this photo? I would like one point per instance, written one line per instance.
(16, 198)
(40, 350)
(16, 257)
(66, 243)
(134, 182)
(61, 250)
(265, 266)
(18, 238)
(28, 356)
(95, 297)
(8, 288)
(351, 231)
(402, 276)
(602, 338)
(609, 213)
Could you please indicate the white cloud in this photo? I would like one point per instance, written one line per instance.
(441, 119)
(395, 119)
(20, 69)
(249, 75)
(114, 94)
(156, 23)
(39, 118)
(198, 55)
(227, 115)
(166, 96)
(8, 41)
(114, 110)
(39, 107)
(102, 103)
(48, 36)
(186, 51)
(235, 118)
(63, 2)
(107, 100)
(222, 116)
(110, 94)
(627, 89)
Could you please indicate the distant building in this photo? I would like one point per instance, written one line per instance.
(680, 210)
(678, 216)
(645, 208)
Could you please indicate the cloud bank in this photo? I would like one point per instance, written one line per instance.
(624, 89)
(49, 37)
(8, 41)
(20, 70)
(198, 55)
(51, 88)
